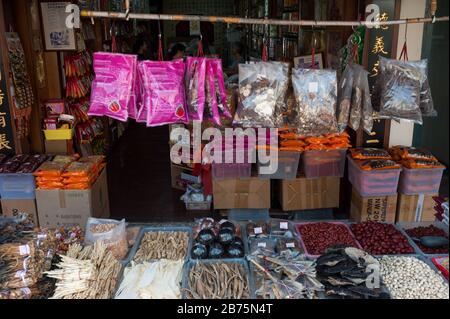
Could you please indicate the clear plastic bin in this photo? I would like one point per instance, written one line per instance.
(420, 181)
(324, 163)
(17, 186)
(287, 166)
(235, 170)
(373, 183)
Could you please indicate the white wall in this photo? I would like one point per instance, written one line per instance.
(402, 133)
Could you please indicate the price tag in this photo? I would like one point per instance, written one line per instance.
(313, 87)
(262, 245)
(258, 230)
(26, 291)
(42, 236)
(284, 225)
(290, 245)
(24, 250)
(20, 274)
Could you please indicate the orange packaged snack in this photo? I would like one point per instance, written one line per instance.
(67, 159)
(403, 152)
(78, 169)
(50, 169)
(293, 143)
(376, 165)
(420, 163)
(370, 153)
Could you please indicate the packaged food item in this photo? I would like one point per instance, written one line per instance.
(420, 163)
(112, 86)
(78, 169)
(111, 232)
(258, 229)
(400, 88)
(259, 92)
(195, 87)
(372, 165)
(369, 153)
(316, 97)
(211, 110)
(50, 169)
(405, 152)
(345, 98)
(135, 95)
(220, 90)
(163, 92)
(65, 159)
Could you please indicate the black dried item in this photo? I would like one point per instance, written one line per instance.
(225, 236)
(400, 90)
(228, 225)
(260, 88)
(206, 236)
(216, 251)
(356, 109)
(316, 97)
(235, 251)
(237, 242)
(199, 251)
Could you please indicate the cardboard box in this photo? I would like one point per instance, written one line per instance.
(57, 208)
(253, 193)
(59, 147)
(416, 208)
(373, 208)
(304, 193)
(13, 207)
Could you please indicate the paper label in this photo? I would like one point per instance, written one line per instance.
(258, 230)
(24, 250)
(263, 245)
(313, 87)
(42, 236)
(290, 245)
(20, 274)
(284, 225)
(26, 291)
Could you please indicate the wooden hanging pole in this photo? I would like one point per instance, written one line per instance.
(236, 20)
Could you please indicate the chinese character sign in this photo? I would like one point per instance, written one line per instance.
(6, 134)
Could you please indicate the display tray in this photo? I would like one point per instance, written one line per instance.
(416, 250)
(327, 221)
(188, 265)
(409, 225)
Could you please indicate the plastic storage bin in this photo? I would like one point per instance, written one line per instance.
(324, 163)
(235, 170)
(17, 186)
(373, 183)
(420, 181)
(287, 166)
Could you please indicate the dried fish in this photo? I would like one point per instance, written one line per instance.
(162, 245)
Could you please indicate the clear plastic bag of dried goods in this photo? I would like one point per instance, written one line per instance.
(345, 97)
(112, 232)
(363, 102)
(400, 89)
(195, 87)
(281, 104)
(316, 99)
(259, 89)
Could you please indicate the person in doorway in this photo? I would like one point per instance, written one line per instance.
(177, 51)
(140, 48)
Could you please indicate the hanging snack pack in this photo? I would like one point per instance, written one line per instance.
(400, 87)
(259, 89)
(111, 89)
(316, 97)
(219, 85)
(163, 92)
(211, 111)
(133, 104)
(195, 87)
(362, 102)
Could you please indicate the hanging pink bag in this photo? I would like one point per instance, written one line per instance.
(211, 112)
(133, 105)
(195, 87)
(221, 92)
(111, 88)
(163, 92)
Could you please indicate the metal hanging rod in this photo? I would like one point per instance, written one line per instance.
(234, 20)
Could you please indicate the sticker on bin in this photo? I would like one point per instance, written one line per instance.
(284, 225)
(262, 245)
(24, 250)
(258, 230)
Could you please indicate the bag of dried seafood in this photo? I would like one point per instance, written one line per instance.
(111, 232)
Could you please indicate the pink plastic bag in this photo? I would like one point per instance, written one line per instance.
(221, 92)
(111, 88)
(195, 87)
(211, 111)
(163, 92)
(133, 105)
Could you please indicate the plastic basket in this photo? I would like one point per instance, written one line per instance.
(420, 181)
(239, 167)
(17, 186)
(287, 166)
(373, 183)
(330, 163)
